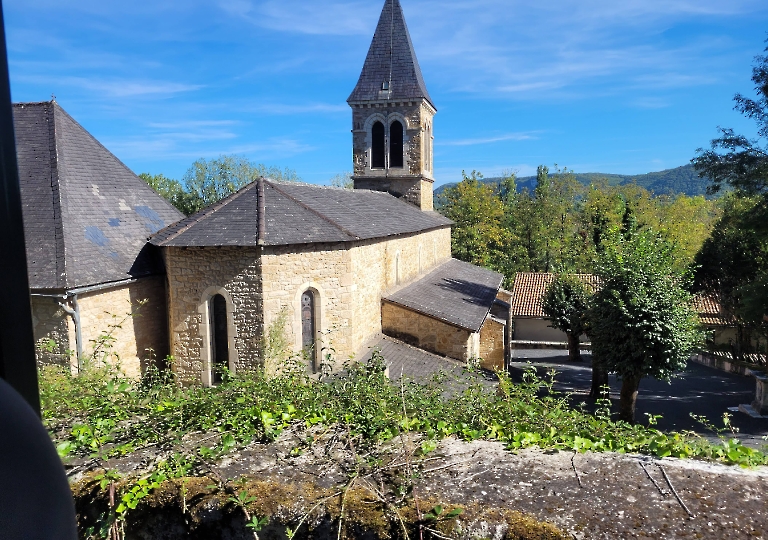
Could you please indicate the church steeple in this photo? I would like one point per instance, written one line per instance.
(391, 70)
(392, 116)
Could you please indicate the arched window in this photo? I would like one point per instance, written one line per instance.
(217, 311)
(396, 144)
(377, 146)
(308, 326)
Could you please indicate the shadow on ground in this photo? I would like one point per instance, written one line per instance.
(699, 390)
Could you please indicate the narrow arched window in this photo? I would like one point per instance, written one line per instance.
(396, 144)
(377, 146)
(308, 327)
(219, 339)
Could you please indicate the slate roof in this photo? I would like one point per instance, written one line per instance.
(298, 214)
(456, 292)
(391, 59)
(529, 288)
(86, 215)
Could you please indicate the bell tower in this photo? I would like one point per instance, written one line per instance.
(392, 116)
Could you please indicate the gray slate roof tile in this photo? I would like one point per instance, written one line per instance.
(391, 58)
(298, 214)
(86, 215)
(456, 292)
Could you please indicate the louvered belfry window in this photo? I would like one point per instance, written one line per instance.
(396, 144)
(377, 146)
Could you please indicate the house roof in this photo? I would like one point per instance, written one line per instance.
(529, 289)
(391, 59)
(86, 215)
(456, 292)
(292, 213)
(710, 312)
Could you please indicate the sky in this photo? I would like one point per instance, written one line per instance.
(625, 87)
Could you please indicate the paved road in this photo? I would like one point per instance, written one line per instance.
(699, 389)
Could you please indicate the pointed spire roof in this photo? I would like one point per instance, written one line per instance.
(391, 70)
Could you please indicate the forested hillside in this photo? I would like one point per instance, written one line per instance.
(670, 181)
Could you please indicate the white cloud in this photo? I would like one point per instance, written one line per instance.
(487, 140)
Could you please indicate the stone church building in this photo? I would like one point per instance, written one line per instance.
(323, 268)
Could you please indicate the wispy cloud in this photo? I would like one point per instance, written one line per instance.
(303, 17)
(487, 140)
(113, 88)
(298, 108)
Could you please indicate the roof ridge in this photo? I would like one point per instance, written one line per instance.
(56, 193)
(204, 213)
(320, 215)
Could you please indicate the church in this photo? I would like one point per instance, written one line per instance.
(321, 270)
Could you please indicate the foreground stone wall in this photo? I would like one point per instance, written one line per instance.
(194, 276)
(51, 330)
(492, 344)
(428, 333)
(139, 333)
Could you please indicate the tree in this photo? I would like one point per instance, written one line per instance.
(641, 320)
(731, 264)
(477, 235)
(565, 303)
(343, 180)
(208, 181)
(744, 163)
(171, 190)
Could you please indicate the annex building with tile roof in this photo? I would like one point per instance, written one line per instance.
(275, 268)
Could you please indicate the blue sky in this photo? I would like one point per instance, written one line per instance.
(628, 86)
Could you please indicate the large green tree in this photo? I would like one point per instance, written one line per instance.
(478, 234)
(734, 159)
(208, 181)
(171, 190)
(733, 263)
(641, 320)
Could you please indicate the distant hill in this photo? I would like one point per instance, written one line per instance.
(670, 181)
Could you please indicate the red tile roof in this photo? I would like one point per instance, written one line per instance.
(529, 288)
(710, 311)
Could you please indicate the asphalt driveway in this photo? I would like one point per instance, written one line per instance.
(699, 390)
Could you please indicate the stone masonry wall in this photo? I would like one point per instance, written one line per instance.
(194, 275)
(51, 331)
(383, 266)
(139, 332)
(348, 282)
(426, 333)
(492, 344)
(326, 269)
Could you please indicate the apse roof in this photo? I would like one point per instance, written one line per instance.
(293, 213)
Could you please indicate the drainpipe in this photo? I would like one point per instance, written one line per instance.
(74, 312)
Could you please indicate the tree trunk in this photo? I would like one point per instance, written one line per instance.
(574, 353)
(599, 381)
(629, 386)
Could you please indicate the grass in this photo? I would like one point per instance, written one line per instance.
(101, 413)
